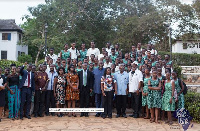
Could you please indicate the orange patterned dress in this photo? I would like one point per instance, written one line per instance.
(72, 94)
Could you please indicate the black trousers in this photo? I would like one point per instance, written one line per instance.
(121, 104)
(50, 101)
(39, 102)
(107, 103)
(26, 95)
(136, 102)
(84, 97)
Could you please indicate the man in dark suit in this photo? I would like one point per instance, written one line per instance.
(86, 80)
(27, 86)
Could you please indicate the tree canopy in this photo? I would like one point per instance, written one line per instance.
(126, 22)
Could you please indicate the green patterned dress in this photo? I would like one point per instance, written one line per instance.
(145, 90)
(83, 54)
(154, 96)
(65, 55)
(181, 102)
(113, 58)
(166, 106)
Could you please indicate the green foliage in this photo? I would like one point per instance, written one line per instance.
(6, 63)
(25, 58)
(125, 22)
(178, 70)
(40, 62)
(192, 105)
(183, 59)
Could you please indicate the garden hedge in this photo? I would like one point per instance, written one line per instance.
(7, 63)
(192, 104)
(183, 59)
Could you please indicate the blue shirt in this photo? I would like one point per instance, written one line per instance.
(51, 77)
(97, 80)
(122, 81)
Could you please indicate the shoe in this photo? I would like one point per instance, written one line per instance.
(135, 116)
(110, 117)
(28, 117)
(35, 115)
(41, 115)
(21, 118)
(97, 115)
(131, 115)
(117, 115)
(124, 116)
(103, 117)
(82, 114)
(86, 115)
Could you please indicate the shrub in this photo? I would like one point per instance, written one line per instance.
(183, 59)
(40, 62)
(25, 58)
(7, 63)
(192, 104)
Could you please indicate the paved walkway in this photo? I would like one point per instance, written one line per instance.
(50, 123)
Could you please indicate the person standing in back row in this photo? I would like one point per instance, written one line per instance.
(86, 80)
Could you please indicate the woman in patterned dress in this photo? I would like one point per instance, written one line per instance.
(59, 89)
(64, 54)
(154, 97)
(72, 92)
(147, 76)
(168, 102)
(179, 88)
(108, 84)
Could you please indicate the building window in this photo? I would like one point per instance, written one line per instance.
(19, 53)
(6, 36)
(3, 54)
(20, 37)
(184, 45)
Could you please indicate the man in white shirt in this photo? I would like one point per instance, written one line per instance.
(52, 56)
(92, 50)
(102, 54)
(108, 49)
(107, 63)
(135, 80)
(74, 52)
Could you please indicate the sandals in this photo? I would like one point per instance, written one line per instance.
(171, 122)
(152, 120)
(74, 115)
(146, 117)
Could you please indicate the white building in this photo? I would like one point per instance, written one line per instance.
(188, 46)
(10, 35)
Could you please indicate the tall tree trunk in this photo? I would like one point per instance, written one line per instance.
(38, 53)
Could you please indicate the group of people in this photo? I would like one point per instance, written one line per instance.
(140, 77)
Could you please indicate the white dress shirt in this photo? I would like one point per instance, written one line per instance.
(54, 57)
(26, 81)
(94, 51)
(109, 51)
(74, 53)
(107, 65)
(134, 80)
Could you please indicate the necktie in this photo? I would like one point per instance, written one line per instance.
(28, 79)
(84, 78)
(51, 81)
